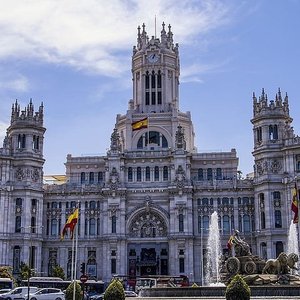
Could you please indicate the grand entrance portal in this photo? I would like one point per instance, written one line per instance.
(148, 259)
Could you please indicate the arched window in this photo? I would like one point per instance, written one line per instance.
(92, 229)
(200, 174)
(113, 224)
(147, 173)
(156, 173)
(32, 225)
(219, 173)
(130, 174)
(246, 201)
(273, 132)
(19, 202)
(91, 178)
(205, 223)
(165, 173)
(54, 204)
(226, 224)
(98, 226)
(82, 177)
(264, 254)
(263, 220)
(209, 174)
(53, 227)
(35, 142)
(225, 201)
(93, 205)
(139, 174)
(181, 224)
(100, 176)
(205, 201)
(278, 220)
(18, 224)
(199, 224)
(279, 248)
(246, 223)
(155, 138)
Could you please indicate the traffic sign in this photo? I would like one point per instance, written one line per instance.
(84, 278)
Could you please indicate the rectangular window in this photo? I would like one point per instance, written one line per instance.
(153, 100)
(181, 265)
(147, 98)
(181, 224)
(113, 266)
(159, 97)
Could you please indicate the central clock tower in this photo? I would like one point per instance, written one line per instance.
(155, 70)
(155, 78)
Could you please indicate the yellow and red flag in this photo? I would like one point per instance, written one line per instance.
(70, 224)
(143, 123)
(295, 204)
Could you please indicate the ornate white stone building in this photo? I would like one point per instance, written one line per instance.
(145, 206)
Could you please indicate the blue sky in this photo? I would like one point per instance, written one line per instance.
(75, 56)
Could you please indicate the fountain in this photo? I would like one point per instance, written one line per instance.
(293, 239)
(212, 274)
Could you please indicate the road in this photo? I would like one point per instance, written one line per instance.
(214, 298)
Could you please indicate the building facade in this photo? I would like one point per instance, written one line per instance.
(145, 206)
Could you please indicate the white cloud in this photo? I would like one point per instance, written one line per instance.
(15, 82)
(89, 34)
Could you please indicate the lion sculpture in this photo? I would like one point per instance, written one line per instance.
(292, 259)
(277, 266)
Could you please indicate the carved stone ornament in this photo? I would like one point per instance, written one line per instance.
(35, 175)
(115, 140)
(275, 166)
(180, 177)
(20, 175)
(114, 179)
(148, 224)
(180, 138)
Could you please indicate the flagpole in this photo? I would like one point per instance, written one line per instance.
(76, 252)
(72, 261)
(148, 128)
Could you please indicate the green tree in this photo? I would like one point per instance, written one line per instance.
(26, 271)
(6, 272)
(70, 291)
(58, 271)
(237, 289)
(114, 291)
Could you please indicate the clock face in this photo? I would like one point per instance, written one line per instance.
(153, 57)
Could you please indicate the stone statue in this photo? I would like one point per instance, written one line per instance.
(277, 266)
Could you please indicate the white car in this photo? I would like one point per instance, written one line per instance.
(47, 294)
(130, 294)
(18, 293)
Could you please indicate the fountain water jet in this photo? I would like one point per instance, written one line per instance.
(212, 274)
(293, 240)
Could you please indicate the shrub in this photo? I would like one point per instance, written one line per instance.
(114, 291)
(237, 289)
(70, 289)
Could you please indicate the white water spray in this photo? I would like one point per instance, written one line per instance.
(212, 274)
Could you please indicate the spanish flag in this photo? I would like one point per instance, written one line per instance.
(143, 123)
(71, 223)
(295, 204)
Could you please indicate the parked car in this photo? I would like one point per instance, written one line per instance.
(47, 294)
(130, 294)
(97, 297)
(18, 293)
(2, 291)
